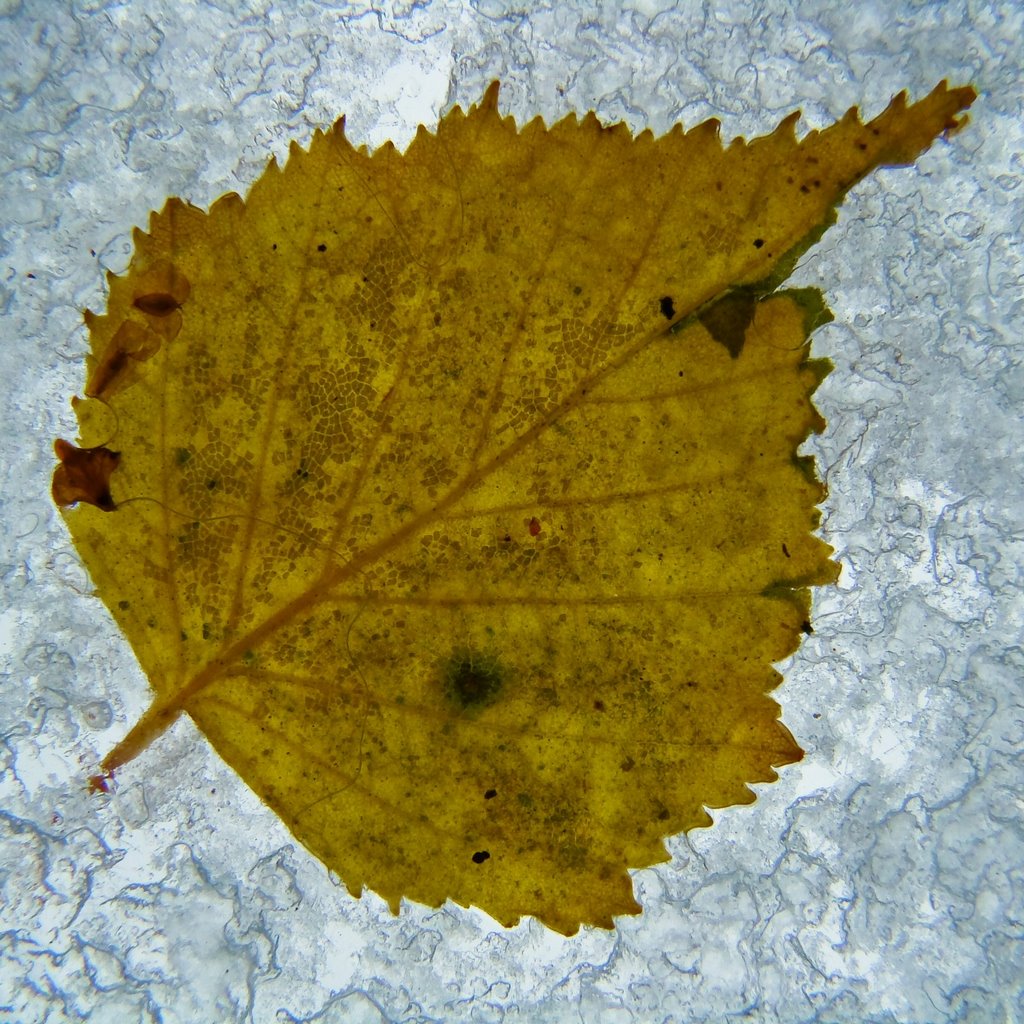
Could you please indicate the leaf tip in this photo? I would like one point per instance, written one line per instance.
(489, 100)
(962, 96)
(710, 129)
(787, 126)
(230, 202)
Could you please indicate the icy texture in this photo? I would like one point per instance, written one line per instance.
(882, 879)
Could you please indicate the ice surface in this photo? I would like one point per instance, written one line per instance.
(882, 879)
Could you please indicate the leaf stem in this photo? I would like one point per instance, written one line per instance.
(159, 717)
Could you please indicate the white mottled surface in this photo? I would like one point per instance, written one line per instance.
(880, 880)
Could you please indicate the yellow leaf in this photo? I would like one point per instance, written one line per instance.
(455, 494)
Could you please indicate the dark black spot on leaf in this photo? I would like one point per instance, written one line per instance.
(480, 856)
(472, 679)
(668, 309)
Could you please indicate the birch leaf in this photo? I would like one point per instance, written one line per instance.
(455, 494)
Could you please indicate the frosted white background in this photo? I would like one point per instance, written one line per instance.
(880, 880)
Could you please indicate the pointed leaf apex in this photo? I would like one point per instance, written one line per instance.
(786, 128)
(489, 100)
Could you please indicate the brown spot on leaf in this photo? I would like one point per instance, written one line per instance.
(133, 343)
(83, 475)
(164, 285)
(157, 304)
